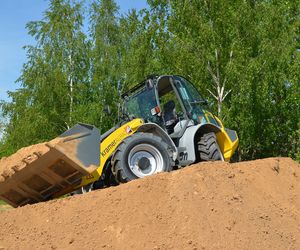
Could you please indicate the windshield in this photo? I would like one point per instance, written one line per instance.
(141, 104)
(191, 98)
(187, 91)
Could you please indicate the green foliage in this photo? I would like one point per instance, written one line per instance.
(53, 80)
(250, 46)
(105, 56)
(257, 46)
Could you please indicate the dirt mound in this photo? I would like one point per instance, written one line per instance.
(21, 159)
(248, 205)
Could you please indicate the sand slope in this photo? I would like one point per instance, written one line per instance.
(248, 205)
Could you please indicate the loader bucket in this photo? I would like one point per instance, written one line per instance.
(69, 157)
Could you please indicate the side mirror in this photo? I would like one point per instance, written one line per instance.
(107, 110)
(149, 84)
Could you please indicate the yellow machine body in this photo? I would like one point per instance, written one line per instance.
(227, 141)
(110, 144)
(108, 147)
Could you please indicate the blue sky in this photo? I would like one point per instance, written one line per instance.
(14, 14)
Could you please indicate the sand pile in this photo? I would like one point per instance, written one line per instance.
(21, 159)
(248, 205)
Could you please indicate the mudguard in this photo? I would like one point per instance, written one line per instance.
(227, 140)
(157, 130)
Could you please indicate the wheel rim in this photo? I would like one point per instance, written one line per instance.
(86, 189)
(145, 160)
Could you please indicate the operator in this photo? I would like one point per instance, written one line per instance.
(170, 116)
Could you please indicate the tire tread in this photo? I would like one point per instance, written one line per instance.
(208, 148)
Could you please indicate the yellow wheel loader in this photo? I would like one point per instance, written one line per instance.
(164, 126)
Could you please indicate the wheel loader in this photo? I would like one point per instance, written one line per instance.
(165, 125)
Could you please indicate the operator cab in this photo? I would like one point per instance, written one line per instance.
(169, 101)
(171, 111)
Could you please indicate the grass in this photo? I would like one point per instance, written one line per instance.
(2, 202)
(4, 206)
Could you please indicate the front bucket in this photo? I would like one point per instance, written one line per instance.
(69, 157)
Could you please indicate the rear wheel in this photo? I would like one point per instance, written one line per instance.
(208, 148)
(141, 155)
(85, 189)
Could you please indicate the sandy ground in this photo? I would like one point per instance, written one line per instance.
(248, 205)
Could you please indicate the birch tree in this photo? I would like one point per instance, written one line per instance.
(219, 84)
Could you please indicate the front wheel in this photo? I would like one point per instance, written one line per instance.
(208, 148)
(141, 155)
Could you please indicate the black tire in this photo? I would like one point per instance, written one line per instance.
(124, 153)
(208, 148)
